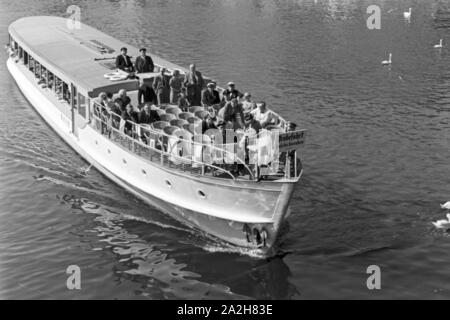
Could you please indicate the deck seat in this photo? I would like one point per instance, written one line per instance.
(189, 127)
(195, 124)
(194, 120)
(196, 109)
(178, 123)
(167, 117)
(185, 115)
(160, 125)
(160, 112)
(170, 130)
(202, 114)
(174, 110)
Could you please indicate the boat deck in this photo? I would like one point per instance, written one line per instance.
(87, 62)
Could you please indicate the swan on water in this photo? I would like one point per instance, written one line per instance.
(407, 14)
(443, 224)
(446, 206)
(387, 62)
(440, 45)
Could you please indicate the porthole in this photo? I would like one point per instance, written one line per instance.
(109, 151)
(169, 184)
(96, 142)
(201, 194)
(124, 161)
(144, 172)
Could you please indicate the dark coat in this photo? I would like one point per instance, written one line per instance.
(145, 118)
(210, 98)
(148, 93)
(144, 65)
(133, 117)
(122, 63)
(192, 80)
(231, 94)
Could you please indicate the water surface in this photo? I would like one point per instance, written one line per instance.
(376, 162)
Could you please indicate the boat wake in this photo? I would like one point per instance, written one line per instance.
(196, 237)
(225, 248)
(160, 276)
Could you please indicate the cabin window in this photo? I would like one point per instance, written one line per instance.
(20, 53)
(12, 43)
(25, 58)
(58, 87)
(37, 69)
(82, 105)
(31, 64)
(50, 80)
(66, 92)
(44, 76)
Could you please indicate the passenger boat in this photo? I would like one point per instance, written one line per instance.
(61, 71)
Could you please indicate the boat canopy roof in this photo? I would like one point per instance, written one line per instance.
(79, 55)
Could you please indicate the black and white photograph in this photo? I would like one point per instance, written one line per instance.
(225, 150)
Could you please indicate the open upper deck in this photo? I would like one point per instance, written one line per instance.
(77, 55)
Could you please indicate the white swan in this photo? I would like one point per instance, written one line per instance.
(407, 14)
(443, 224)
(446, 206)
(387, 62)
(440, 45)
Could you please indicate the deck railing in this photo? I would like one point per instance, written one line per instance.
(183, 152)
(161, 148)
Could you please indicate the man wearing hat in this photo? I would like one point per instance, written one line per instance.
(123, 61)
(144, 63)
(210, 96)
(194, 85)
(231, 93)
(251, 123)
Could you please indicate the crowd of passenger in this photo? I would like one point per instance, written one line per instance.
(229, 110)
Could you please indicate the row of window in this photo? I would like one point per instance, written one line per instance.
(48, 80)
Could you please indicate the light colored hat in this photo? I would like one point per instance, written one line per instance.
(230, 84)
(211, 85)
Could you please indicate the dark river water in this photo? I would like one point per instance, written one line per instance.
(377, 161)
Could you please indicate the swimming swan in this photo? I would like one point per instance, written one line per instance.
(440, 45)
(407, 15)
(446, 206)
(443, 224)
(387, 62)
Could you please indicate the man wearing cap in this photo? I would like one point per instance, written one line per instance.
(210, 96)
(144, 63)
(123, 61)
(231, 93)
(251, 123)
